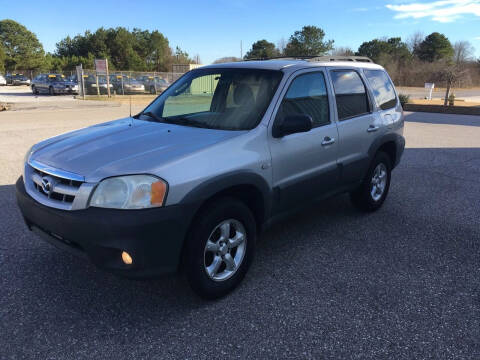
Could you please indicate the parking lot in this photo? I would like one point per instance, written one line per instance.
(328, 282)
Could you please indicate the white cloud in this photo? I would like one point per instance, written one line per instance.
(441, 11)
(360, 9)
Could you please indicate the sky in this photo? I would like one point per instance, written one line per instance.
(214, 29)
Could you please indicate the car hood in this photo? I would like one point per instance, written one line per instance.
(125, 146)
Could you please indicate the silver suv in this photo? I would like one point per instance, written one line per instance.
(191, 181)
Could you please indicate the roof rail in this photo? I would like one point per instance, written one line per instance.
(317, 58)
(341, 58)
(300, 57)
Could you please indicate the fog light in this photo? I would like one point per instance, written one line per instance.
(127, 259)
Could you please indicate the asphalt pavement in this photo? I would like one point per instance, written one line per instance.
(328, 282)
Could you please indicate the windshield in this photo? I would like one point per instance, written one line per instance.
(226, 99)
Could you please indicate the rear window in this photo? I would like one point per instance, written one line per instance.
(350, 94)
(382, 88)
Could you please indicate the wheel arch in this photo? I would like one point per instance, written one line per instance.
(245, 186)
(388, 144)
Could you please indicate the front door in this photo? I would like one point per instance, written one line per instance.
(305, 164)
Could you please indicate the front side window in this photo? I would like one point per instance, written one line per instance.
(225, 99)
(382, 88)
(350, 94)
(307, 95)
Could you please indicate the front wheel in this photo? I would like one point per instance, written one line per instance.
(220, 248)
(34, 90)
(374, 189)
(51, 91)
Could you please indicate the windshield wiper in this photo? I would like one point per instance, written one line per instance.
(153, 116)
(187, 122)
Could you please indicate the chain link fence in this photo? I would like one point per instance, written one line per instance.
(119, 82)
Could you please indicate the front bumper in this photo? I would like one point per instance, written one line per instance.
(153, 237)
(65, 91)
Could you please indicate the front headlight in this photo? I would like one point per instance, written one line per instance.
(130, 192)
(25, 160)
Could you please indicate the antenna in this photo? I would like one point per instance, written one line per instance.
(130, 98)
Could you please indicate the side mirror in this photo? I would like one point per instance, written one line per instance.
(292, 124)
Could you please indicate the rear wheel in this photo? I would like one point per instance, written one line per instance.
(34, 90)
(220, 248)
(374, 189)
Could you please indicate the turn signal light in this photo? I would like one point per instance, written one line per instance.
(126, 258)
(158, 190)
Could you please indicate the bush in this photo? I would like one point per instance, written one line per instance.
(404, 98)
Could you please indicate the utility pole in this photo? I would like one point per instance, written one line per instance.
(241, 49)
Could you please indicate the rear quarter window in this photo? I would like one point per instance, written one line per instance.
(382, 88)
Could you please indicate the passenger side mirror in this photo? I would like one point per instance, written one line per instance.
(292, 124)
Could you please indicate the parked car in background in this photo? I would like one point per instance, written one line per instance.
(53, 84)
(3, 81)
(90, 83)
(17, 79)
(153, 84)
(124, 84)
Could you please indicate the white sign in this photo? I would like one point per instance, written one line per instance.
(430, 87)
(101, 65)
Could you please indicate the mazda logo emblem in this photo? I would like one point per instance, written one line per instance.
(46, 185)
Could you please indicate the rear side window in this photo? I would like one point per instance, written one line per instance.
(382, 88)
(350, 94)
(307, 95)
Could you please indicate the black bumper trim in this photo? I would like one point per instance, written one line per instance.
(153, 237)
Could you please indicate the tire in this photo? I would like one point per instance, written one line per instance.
(51, 91)
(34, 90)
(373, 191)
(200, 261)
(152, 90)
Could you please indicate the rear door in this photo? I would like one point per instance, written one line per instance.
(41, 82)
(358, 125)
(305, 164)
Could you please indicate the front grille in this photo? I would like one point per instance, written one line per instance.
(53, 187)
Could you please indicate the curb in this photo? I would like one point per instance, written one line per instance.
(460, 110)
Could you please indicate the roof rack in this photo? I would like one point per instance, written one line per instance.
(341, 58)
(317, 58)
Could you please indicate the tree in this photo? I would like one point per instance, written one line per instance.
(140, 50)
(414, 41)
(435, 47)
(451, 73)
(308, 41)
(21, 46)
(463, 52)
(262, 49)
(281, 45)
(2, 58)
(342, 51)
(383, 51)
(227, 59)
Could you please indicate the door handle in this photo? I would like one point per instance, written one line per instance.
(373, 128)
(327, 140)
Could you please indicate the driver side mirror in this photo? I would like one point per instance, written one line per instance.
(292, 124)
